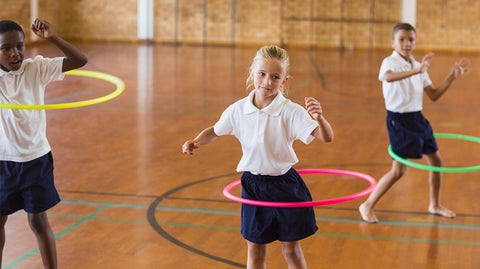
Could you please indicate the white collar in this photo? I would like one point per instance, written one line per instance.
(273, 109)
(398, 56)
(17, 72)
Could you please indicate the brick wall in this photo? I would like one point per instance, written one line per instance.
(350, 24)
(18, 11)
(449, 25)
(111, 20)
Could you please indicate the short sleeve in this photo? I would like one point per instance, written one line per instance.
(302, 125)
(224, 126)
(383, 69)
(427, 81)
(51, 68)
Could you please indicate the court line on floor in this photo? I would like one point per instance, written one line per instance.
(105, 205)
(57, 236)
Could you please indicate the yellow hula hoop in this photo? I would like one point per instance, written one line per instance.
(81, 73)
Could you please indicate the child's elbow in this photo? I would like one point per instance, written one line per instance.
(79, 61)
(70, 64)
(389, 78)
(83, 61)
(328, 139)
(324, 135)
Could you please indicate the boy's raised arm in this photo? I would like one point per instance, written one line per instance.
(74, 58)
(391, 76)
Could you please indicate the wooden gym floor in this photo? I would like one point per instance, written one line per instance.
(131, 199)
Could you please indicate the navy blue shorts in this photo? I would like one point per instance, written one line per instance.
(27, 185)
(263, 225)
(410, 134)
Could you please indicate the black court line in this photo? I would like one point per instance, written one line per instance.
(157, 227)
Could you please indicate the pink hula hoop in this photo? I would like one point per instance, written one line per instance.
(371, 180)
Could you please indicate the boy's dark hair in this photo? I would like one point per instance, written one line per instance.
(8, 26)
(402, 26)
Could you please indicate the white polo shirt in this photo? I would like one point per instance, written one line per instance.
(404, 95)
(23, 132)
(266, 135)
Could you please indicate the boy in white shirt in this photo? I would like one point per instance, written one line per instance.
(404, 80)
(26, 163)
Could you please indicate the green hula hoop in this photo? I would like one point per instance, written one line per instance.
(438, 168)
(82, 73)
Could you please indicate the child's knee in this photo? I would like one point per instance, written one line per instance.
(398, 170)
(38, 223)
(397, 174)
(3, 220)
(292, 250)
(291, 254)
(257, 250)
(434, 160)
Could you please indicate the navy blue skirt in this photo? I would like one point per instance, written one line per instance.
(263, 225)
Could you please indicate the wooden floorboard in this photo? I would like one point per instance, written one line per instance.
(131, 199)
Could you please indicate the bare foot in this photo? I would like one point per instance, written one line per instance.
(368, 215)
(441, 211)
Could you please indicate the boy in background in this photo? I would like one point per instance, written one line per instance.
(404, 81)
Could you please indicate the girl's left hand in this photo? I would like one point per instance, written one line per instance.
(313, 108)
(42, 29)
